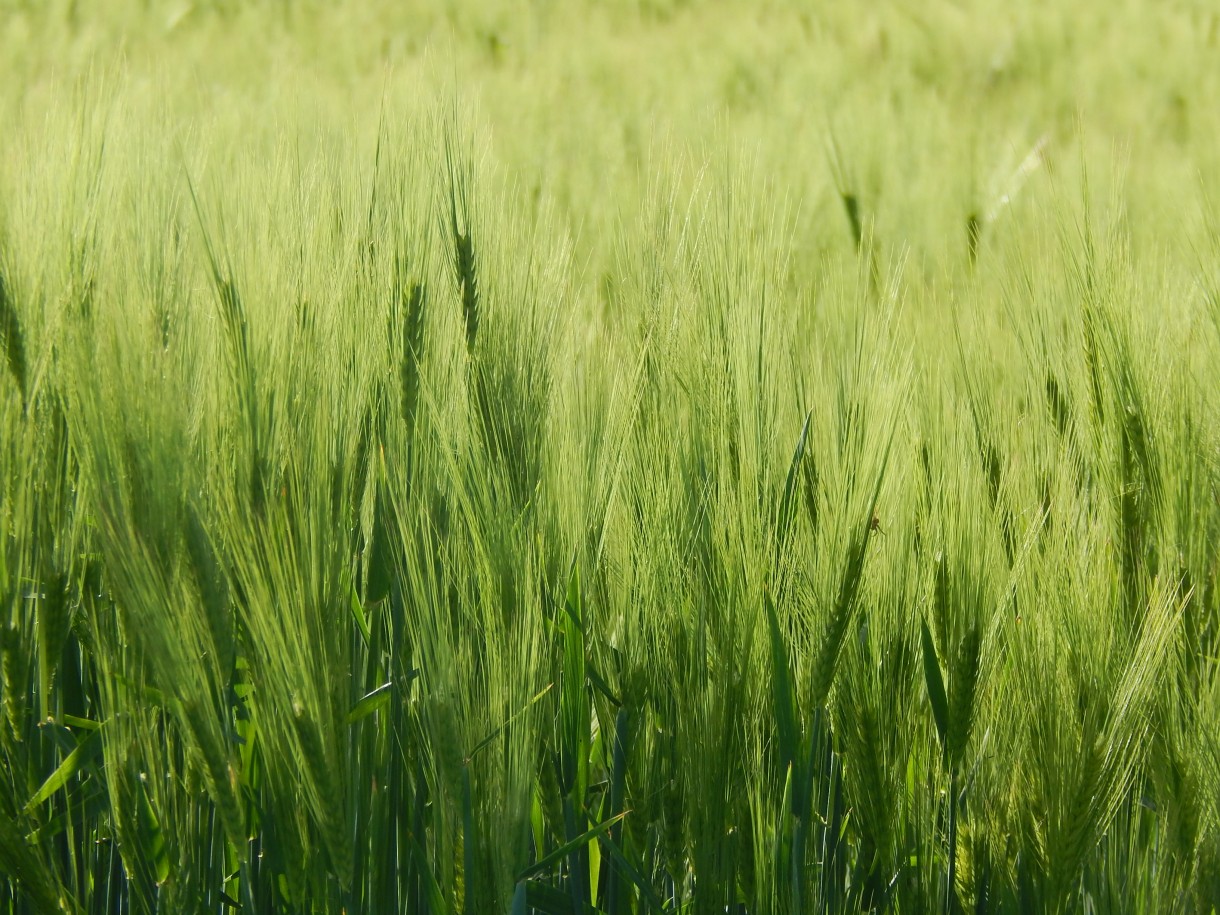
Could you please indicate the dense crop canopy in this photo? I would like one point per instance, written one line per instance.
(609, 457)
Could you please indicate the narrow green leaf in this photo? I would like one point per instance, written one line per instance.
(370, 703)
(496, 732)
(601, 685)
(935, 682)
(86, 724)
(568, 847)
(91, 805)
(72, 764)
(362, 622)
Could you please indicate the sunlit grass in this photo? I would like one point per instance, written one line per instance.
(633, 457)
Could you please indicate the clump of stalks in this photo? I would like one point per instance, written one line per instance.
(462, 517)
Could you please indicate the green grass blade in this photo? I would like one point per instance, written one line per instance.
(567, 848)
(935, 683)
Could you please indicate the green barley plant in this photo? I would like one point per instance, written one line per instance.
(612, 458)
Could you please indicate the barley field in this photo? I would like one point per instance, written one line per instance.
(709, 456)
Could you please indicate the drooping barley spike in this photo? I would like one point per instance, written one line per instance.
(1077, 831)
(218, 771)
(14, 655)
(843, 610)
(1207, 876)
(839, 621)
(412, 298)
(443, 733)
(241, 365)
(213, 590)
(328, 794)
(963, 689)
(871, 776)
